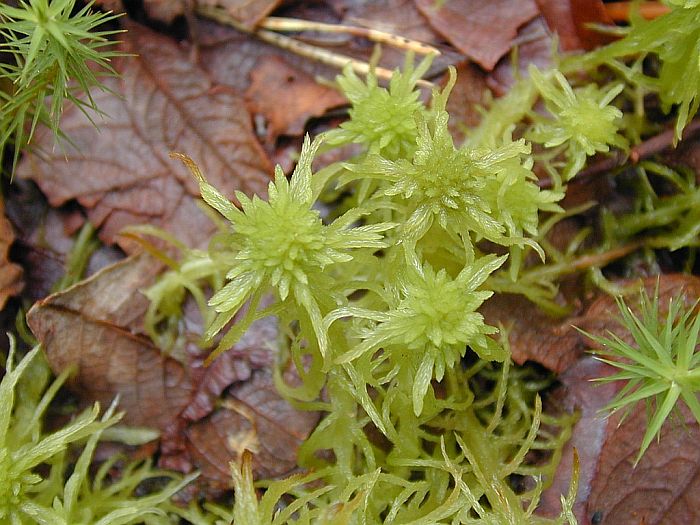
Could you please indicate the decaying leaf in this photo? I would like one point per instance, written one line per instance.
(93, 326)
(248, 12)
(398, 17)
(287, 97)
(533, 335)
(534, 42)
(466, 98)
(96, 327)
(251, 416)
(10, 273)
(578, 393)
(481, 29)
(662, 489)
(123, 174)
(555, 343)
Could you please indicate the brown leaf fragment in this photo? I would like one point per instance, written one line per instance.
(111, 5)
(93, 327)
(533, 335)
(255, 350)
(252, 416)
(579, 393)
(122, 174)
(555, 343)
(10, 274)
(399, 17)
(534, 42)
(569, 19)
(481, 29)
(663, 488)
(287, 97)
(166, 10)
(203, 414)
(45, 239)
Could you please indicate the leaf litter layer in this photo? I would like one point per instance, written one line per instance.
(211, 401)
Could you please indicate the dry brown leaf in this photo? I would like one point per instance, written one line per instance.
(93, 327)
(10, 273)
(122, 174)
(481, 29)
(287, 97)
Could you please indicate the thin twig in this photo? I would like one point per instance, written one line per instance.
(300, 48)
(275, 23)
(644, 150)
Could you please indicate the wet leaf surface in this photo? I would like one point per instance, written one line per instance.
(469, 93)
(578, 393)
(663, 488)
(659, 490)
(123, 174)
(399, 17)
(534, 43)
(248, 12)
(469, 25)
(45, 239)
(10, 273)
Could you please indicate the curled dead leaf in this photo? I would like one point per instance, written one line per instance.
(662, 488)
(252, 417)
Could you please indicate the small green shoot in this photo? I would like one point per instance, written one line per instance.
(662, 366)
(56, 55)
